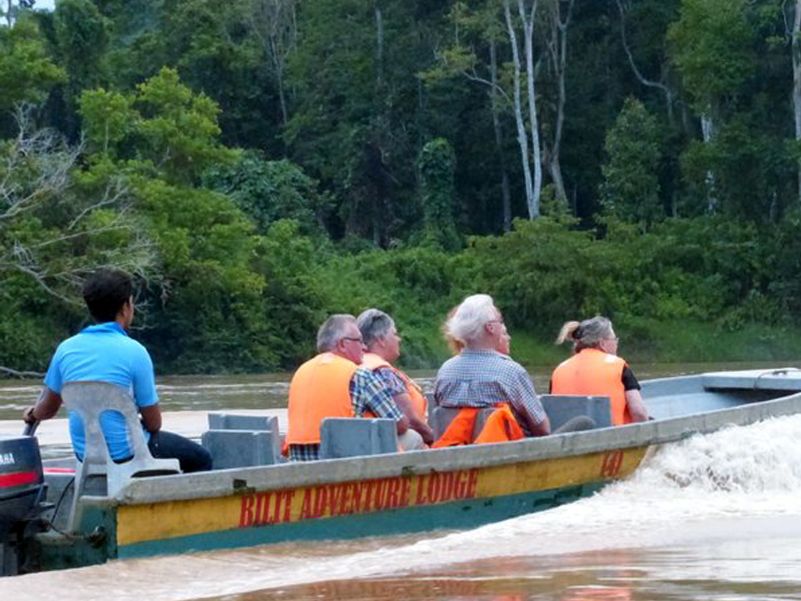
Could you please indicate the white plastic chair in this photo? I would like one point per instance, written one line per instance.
(90, 400)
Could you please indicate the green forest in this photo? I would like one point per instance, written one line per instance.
(260, 164)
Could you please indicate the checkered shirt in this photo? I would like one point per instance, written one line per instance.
(304, 452)
(483, 378)
(369, 392)
(391, 381)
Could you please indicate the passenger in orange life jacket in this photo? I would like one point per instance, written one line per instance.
(332, 384)
(383, 349)
(595, 369)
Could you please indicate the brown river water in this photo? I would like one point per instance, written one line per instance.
(714, 517)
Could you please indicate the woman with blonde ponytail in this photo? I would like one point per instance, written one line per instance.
(596, 370)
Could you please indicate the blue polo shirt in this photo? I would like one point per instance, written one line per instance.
(104, 353)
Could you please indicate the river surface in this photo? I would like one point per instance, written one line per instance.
(715, 517)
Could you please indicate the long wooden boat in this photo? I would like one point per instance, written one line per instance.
(394, 493)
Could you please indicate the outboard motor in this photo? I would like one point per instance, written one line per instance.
(22, 489)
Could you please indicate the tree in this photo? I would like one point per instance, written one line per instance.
(214, 47)
(712, 50)
(27, 73)
(163, 123)
(57, 224)
(111, 119)
(630, 190)
(81, 41)
(205, 306)
(55, 221)
(205, 311)
(474, 56)
(522, 25)
(436, 165)
(269, 191)
(639, 11)
(558, 14)
(355, 125)
(274, 23)
(793, 32)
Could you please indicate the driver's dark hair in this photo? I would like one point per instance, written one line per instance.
(105, 292)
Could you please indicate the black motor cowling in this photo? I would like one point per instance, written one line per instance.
(21, 491)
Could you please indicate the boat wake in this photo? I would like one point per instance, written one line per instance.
(734, 484)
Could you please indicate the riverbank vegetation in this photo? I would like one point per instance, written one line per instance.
(260, 164)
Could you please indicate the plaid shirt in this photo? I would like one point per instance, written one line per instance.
(304, 452)
(368, 391)
(483, 378)
(391, 381)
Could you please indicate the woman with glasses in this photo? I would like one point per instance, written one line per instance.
(596, 370)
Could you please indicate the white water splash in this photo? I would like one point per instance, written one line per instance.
(736, 484)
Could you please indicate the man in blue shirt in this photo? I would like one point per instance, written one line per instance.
(104, 352)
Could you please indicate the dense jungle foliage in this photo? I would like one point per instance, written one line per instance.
(260, 164)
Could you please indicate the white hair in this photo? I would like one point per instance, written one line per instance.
(374, 325)
(466, 325)
(332, 331)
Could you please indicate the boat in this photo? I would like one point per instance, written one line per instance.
(390, 493)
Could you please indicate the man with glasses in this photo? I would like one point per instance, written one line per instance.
(332, 384)
(482, 374)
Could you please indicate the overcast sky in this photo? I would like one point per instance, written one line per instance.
(44, 4)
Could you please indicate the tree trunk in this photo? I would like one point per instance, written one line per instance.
(506, 202)
(558, 52)
(522, 137)
(528, 41)
(279, 80)
(274, 24)
(640, 77)
(379, 42)
(796, 52)
(382, 208)
(708, 132)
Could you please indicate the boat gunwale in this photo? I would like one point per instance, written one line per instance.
(223, 483)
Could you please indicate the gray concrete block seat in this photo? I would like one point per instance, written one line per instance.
(357, 436)
(561, 408)
(242, 440)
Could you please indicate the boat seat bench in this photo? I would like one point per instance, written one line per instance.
(242, 440)
(561, 408)
(776, 379)
(357, 436)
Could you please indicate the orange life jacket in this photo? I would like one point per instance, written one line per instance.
(501, 426)
(593, 372)
(320, 388)
(419, 404)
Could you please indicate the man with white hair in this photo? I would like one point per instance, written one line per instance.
(382, 344)
(483, 374)
(332, 384)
